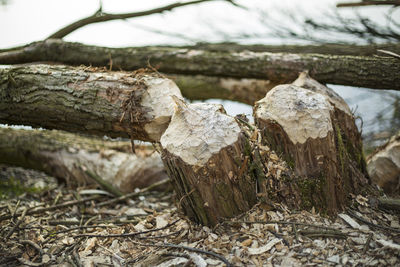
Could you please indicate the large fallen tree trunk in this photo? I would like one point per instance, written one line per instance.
(75, 159)
(364, 71)
(117, 104)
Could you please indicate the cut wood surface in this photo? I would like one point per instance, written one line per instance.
(384, 165)
(362, 71)
(204, 150)
(314, 131)
(69, 157)
(87, 100)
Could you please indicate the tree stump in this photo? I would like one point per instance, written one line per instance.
(315, 132)
(207, 156)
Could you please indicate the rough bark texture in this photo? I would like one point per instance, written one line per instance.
(364, 71)
(87, 100)
(67, 157)
(315, 133)
(384, 166)
(204, 152)
(200, 87)
(328, 49)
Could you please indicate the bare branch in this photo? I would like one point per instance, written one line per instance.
(99, 16)
(370, 3)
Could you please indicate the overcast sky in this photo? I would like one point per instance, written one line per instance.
(25, 21)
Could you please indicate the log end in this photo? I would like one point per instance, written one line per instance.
(301, 113)
(198, 131)
(158, 100)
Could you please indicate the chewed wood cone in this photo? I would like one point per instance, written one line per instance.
(204, 152)
(315, 132)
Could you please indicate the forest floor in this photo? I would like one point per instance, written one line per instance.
(52, 225)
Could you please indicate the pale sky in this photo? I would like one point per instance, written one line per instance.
(25, 21)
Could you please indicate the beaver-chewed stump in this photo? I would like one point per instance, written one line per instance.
(207, 155)
(314, 131)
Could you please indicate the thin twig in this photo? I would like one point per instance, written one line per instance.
(390, 53)
(296, 235)
(55, 207)
(388, 228)
(329, 233)
(76, 258)
(104, 184)
(79, 228)
(277, 235)
(17, 223)
(160, 236)
(129, 234)
(168, 245)
(366, 246)
(133, 194)
(32, 244)
(102, 17)
(370, 3)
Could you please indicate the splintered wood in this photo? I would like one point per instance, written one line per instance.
(203, 150)
(315, 132)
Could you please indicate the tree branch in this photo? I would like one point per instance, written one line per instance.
(99, 16)
(369, 3)
(362, 71)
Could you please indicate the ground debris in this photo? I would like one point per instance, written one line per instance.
(57, 227)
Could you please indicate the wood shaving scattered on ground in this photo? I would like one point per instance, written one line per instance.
(58, 226)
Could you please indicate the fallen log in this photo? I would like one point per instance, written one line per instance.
(87, 100)
(200, 87)
(362, 71)
(314, 131)
(207, 157)
(384, 166)
(69, 158)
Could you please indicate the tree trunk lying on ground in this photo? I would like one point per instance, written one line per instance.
(200, 87)
(87, 100)
(363, 71)
(315, 132)
(70, 157)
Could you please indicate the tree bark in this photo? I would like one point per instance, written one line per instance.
(314, 131)
(87, 100)
(200, 87)
(69, 157)
(363, 71)
(204, 151)
(326, 49)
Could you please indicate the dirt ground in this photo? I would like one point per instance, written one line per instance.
(46, 224)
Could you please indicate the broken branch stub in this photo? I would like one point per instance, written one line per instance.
(206, 155)
(315, 132)
(87, 100)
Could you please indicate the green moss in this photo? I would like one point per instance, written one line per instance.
(12, 187)
(341, 148)
(311, 190)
